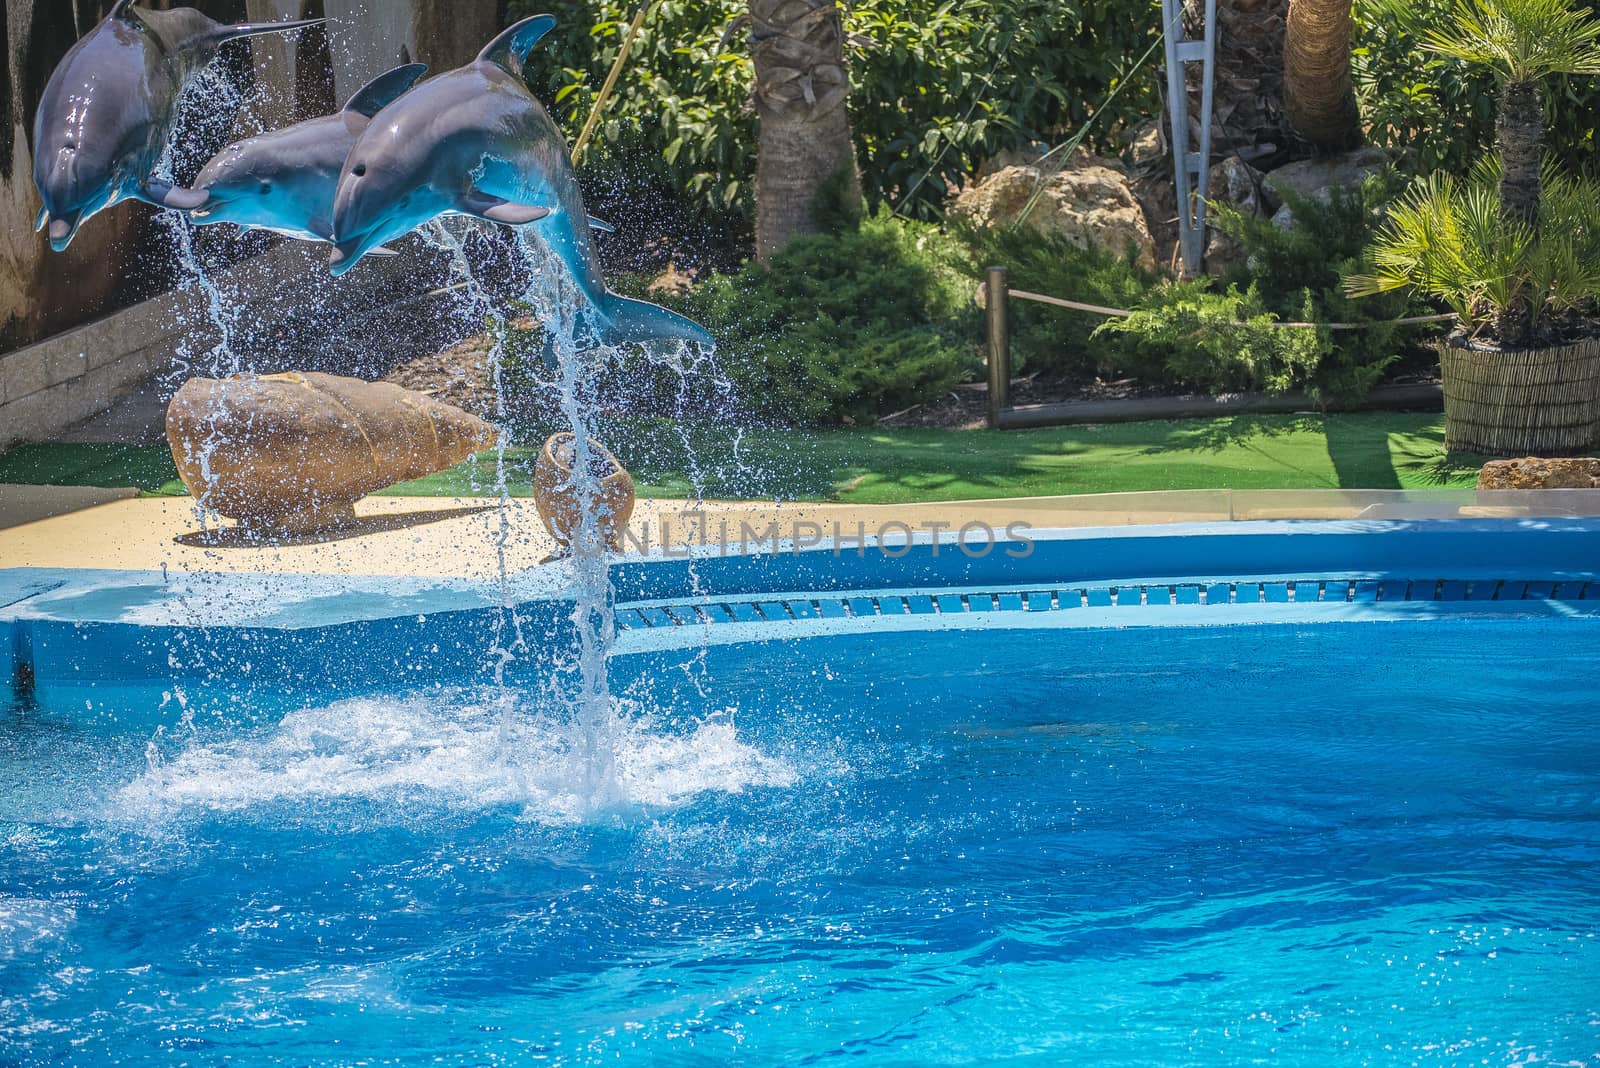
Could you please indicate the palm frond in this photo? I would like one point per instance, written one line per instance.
(1524, 39)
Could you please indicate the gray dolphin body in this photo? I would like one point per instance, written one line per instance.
(108, 110)
(477, 142)
(284, 181)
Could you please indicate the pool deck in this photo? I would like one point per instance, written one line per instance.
(463, 539)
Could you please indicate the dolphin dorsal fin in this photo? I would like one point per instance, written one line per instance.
(510, 50)
(385, 89)
(120, 9)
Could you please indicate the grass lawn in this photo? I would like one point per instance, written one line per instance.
(1379, 450)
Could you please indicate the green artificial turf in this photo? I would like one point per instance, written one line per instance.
(1377, 450)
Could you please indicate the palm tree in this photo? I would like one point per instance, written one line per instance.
(1249, 74)
(801, 90)
(1319, 96)
(1524, 40)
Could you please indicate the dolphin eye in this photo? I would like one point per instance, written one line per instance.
(360, 170)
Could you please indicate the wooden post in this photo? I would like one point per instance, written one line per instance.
(997, 299)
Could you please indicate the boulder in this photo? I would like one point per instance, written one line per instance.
(1533, 473)
(1315, 179)
(294, 452)
(1090, 201)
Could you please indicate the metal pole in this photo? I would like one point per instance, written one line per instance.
(997, 300)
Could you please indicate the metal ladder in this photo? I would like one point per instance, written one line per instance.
(1192, 167)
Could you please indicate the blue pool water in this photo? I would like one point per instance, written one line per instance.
(1342, 843)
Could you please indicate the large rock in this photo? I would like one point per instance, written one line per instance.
(1089, 202)
(1316, 179)
(1533, 473)
(295, 451)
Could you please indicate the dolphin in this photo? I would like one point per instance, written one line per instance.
(284, 181)
(109, 109)
(477, 142)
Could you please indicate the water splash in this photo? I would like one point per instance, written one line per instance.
(451, 751)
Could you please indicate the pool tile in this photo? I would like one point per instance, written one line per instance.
(1219, 593)
(980, 602)
(921, 605)
(1275, 593)
(1539, 591)
(1099, 598)
(950, 604)
(1011, 602)
(1188, 595)
(744, 613)
(1453, 591)
(803, 610)
(1039, 602)
(832, 609)
(1512, 591)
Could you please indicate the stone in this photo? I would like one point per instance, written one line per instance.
(294, 452)
(1238, 185)
(1090, 201)
(1315, 179)
(1533, 473)
(561, 505)
(1028, 155)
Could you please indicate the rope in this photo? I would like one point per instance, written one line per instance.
(1123, 313)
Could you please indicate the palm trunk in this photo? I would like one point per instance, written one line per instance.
(801, 92)
(1319, 97)
(1520, 132)
(1249, 87)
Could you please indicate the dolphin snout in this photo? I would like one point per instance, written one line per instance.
(344, 256)
(62, 231)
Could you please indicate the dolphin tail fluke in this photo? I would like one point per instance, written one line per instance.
(635, 321)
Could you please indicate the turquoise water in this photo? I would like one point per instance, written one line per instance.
(1352, 843)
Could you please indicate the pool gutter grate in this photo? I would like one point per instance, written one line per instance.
(658, 615)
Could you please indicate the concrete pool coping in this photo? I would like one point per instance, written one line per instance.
(474, 540)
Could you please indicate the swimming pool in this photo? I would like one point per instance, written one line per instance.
(1179, 801)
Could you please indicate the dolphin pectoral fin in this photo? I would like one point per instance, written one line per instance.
(167, 195)
(510, 50)
(385, 89)
(496, 209)
(601, 226)
(42, 221)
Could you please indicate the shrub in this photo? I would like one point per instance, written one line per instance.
(1299, 274)
(852, 326)
(1056, 343)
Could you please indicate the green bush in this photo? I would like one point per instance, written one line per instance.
(1055, 343)
(1299, 274)
(1190, 335)
(844, 327)
(940, 87)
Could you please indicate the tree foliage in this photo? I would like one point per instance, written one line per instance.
(940, 85)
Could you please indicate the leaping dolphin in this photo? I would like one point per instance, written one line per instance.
(109, 108)
(284, 181)
(476, 141)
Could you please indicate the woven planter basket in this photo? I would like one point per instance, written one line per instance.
(1541, 402)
